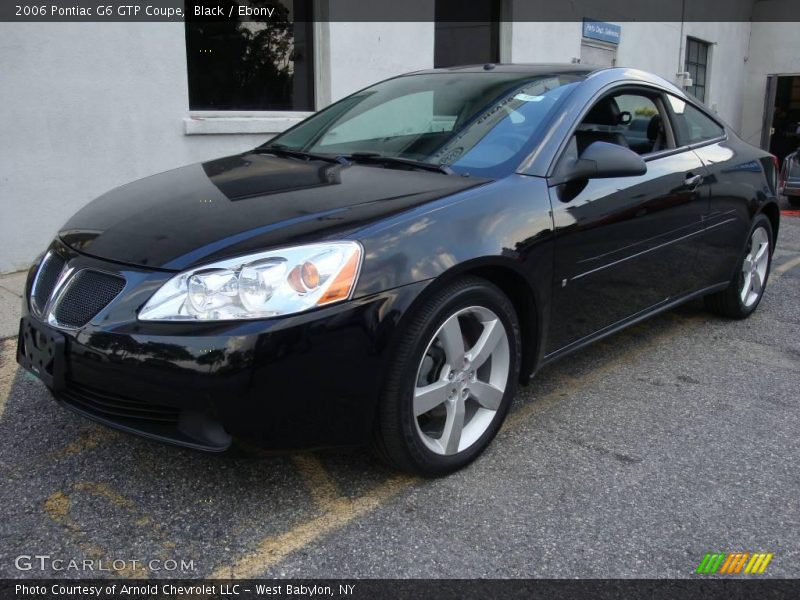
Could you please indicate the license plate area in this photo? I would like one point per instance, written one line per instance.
(40, 350)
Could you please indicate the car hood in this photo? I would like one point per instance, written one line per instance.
(244, 203)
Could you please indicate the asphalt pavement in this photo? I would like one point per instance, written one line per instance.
(632, 458)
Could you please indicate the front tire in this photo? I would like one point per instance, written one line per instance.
(742, 296)
(452, 379)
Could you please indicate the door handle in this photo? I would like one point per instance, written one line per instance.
(692, 180)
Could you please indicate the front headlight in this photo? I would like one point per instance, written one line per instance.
(267, 284)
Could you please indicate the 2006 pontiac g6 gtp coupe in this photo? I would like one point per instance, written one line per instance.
(387, 271)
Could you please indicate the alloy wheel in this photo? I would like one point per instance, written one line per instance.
(461, 380)
(754, 267)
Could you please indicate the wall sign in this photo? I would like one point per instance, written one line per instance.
(599, 30)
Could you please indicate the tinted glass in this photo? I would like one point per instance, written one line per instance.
(628, 119)
(476, 122)
(692, 124)
(260, 64)
(642, 133)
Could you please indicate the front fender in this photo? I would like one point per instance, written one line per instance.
(507, 221)
(502, 231)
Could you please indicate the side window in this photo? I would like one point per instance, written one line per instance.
(693, 125)
(645, 129)
(628, 119)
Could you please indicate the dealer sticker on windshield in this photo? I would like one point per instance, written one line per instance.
(528, 98)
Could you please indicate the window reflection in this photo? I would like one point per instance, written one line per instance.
(256, 63)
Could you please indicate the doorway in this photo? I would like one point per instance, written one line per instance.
(781, 130)
(466, 33)
(593, 53)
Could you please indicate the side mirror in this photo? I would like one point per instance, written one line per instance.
(601, 159)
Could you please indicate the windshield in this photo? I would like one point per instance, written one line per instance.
(479, 123)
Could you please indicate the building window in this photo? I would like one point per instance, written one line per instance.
(466, 33)
(697, 66)
(261, 64)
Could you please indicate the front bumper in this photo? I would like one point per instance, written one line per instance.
(302, 381)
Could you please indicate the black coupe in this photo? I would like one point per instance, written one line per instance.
(387, 271)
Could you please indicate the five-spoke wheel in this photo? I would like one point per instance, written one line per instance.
(754, 267)
(461, 380)
(452, 380)
(742, 296)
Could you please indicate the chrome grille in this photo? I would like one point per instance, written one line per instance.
(45, 281)
(84, 296)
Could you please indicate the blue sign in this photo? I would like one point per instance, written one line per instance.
(598, 30)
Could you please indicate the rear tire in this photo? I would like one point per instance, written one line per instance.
(740, 299)
(794, 201)
(451, 381)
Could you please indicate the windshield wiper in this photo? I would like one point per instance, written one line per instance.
(360, 157)
(375, 158)
(282, 150)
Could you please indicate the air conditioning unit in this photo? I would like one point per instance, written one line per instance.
(683, 79)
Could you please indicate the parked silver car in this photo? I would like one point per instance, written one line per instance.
(790, 178)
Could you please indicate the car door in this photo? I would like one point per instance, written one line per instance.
(736, 176)
(626, 245)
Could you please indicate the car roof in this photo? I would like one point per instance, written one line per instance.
(518, 68)
(607, 74)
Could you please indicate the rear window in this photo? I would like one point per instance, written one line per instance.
(693, 125)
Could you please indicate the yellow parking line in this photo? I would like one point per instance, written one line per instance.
(57, 507)
(322, 488)
(103, 490)
(778, 271)
(8, 370)
(87, 439)
(274, 549)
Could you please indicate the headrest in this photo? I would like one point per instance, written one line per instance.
(606, 112)
(655, 128)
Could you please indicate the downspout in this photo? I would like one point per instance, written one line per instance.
(681, 64)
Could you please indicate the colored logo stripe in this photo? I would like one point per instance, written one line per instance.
(734, 563)
(710, 563)
(758, 563)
